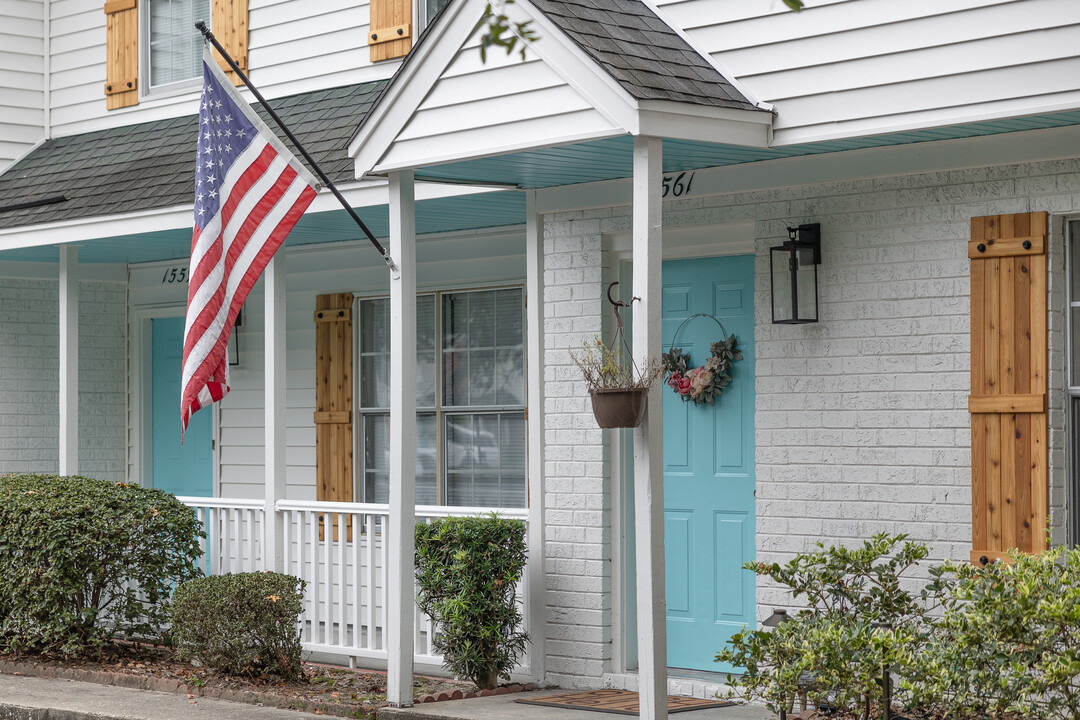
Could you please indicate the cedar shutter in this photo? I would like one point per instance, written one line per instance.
(333, 399)
(121, 53)
(1009, 486)
(390, 30)
(229, 22)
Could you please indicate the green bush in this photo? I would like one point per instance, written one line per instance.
(82, 560)
(242, 624)
(860, 619)
(1008, 641)
(467, 570)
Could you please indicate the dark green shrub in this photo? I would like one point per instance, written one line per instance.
(82, 560)
(860, 619)
(467, 570)
(242, 624)
(1008, 641)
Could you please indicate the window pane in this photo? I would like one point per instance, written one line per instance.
(375, 362)
(175, 48)
(1074, 259)
(483, 348)
(377, 459)
(485, 460)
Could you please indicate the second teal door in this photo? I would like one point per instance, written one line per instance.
(709, 465)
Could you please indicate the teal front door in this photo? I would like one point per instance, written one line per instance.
(709, 465)
(187, 469)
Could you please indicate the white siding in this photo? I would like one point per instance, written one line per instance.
(22, 77)
(294, 46)
(463, 260)
(479, 108)
(859, 67)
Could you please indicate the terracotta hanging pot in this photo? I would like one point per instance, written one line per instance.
(619, 407)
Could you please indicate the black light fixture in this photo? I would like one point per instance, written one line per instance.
(234, 339)
(793, 267)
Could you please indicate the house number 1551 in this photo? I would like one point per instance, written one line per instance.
(677, 185)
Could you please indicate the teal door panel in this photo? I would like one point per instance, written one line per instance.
(186, 469)
(709, 465)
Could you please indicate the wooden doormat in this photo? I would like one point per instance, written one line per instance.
(620, 702)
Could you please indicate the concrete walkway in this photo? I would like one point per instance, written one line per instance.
(31, 698)
(504, 707)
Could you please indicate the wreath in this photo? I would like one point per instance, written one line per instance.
(705, 383)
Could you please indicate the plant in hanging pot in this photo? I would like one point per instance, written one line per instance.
(619, 389)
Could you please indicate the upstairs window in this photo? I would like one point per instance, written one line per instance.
(470, 398)
(175, 46)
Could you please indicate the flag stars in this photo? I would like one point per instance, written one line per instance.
(213, 193)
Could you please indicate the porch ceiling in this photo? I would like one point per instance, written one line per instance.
(446, 214)
(611, 158)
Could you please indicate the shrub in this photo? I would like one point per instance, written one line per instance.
(860, 620)
(1008, 640)
(467, 569)
(82, 560)
(242, 624)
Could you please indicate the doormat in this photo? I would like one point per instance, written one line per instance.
(620, 702)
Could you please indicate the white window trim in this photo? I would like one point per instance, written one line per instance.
(180, 87)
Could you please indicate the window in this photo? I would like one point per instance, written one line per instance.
(1072, 365)
(470, 398)
(428, 9)
(175, 47)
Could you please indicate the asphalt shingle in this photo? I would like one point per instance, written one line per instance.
(152, 165)
(649, 59)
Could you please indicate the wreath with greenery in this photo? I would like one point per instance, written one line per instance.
(705, 383)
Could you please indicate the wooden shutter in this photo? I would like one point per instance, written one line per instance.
(229, 22)
(333, 398)
(1009, 457)
(121, 53)
(390, 31)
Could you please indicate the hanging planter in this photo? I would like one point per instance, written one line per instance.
(619, 407)
(619, 390)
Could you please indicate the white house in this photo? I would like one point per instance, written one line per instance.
(669, 145)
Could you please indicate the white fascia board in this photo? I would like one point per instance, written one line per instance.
(911, 159)
(925, 120)
(366, 194)
(703, 123)
(416, 77)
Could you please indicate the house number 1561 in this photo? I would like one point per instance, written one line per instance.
(677, 185)
(174, 275)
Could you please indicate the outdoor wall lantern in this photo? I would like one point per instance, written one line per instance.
(793, 267)
(234, 340)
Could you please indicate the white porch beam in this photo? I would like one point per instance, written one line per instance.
(534, 322)
(648, 439)
(274, 369)
(401, 591)
(69, 360)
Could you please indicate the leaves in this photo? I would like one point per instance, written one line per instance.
(608, 368)
(676, 366)
(502, 32)
(84, 560)
(467, 570)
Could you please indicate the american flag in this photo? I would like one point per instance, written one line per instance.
(249, 193)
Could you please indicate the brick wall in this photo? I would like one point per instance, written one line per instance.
(862, 422)
(29, 377)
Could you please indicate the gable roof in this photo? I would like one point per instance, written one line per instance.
(151, 165)
(642, 52)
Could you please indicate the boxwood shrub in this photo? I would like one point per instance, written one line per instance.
(467, 569)
(241, 624)
(82, 560)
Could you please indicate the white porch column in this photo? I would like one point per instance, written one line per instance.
(69, 360)
(535, 603)
(401, 608)
(648, 439)
(274, 369)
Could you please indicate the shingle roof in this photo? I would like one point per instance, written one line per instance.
(642, 52)
(151, 165)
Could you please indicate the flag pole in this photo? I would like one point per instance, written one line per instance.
(201, 27)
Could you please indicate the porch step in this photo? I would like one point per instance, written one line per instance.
(505, 707)
(31, 698)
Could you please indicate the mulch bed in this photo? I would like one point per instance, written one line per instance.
(327, 689)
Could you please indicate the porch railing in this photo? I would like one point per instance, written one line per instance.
(338, 549)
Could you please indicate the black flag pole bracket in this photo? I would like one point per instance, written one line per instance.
(201, 27)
